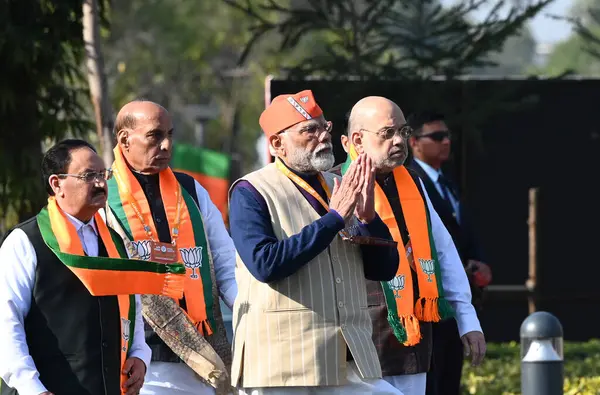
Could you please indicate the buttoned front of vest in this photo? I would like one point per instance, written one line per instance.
(294, 332)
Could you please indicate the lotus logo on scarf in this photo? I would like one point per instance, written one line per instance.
(428, 267)
(397, 284)
(143, 249)
(192, 258)
(125, 324)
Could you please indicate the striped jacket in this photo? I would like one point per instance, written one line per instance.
(294, 332)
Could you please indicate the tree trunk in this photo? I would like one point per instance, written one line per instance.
(97, 79)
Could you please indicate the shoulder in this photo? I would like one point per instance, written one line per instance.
(330, 177)
(337, 170)
(22, 238)
(186, 181)
(416, 179)
(264, 177)
(414, 175)
(28, 227)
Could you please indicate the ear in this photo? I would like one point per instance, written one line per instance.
(54, 182)
(276, 143)
(344, 140)
(356, 140)
(123, 138)
(412, 141)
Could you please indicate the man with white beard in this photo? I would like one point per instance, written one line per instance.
(300, 318)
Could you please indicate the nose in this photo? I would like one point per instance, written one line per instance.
(324, 137)
(165, 145)
(397, 139)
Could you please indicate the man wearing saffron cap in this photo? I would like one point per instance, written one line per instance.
(300, 319)
(167, 216)
(430, 284)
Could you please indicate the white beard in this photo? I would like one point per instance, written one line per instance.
(317, 160)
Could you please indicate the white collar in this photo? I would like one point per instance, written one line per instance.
(79, 224)
(429, 170)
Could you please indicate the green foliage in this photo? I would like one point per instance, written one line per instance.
(390, 38)
(183, 52)
(500, 373)
(41, 47)
(515, 59)
(580, 53)
(570, 56)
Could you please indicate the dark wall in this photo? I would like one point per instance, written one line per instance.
(511, 135)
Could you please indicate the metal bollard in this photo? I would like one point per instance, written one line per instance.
(542, 370)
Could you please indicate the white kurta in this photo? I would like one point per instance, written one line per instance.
(169, 378)
(356, 386)
(17, 279)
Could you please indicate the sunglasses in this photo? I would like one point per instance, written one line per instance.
(438, 136)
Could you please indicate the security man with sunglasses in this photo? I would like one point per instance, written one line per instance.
(430, 145)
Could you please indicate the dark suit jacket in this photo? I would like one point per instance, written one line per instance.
(462, 234)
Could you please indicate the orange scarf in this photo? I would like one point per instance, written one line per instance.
(108, 276)
(130, 206)
(403, 312)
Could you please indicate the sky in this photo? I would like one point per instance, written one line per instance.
(545, 29)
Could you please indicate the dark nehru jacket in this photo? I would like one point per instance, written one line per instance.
(73, 337)
(395, 358)
(160, 351)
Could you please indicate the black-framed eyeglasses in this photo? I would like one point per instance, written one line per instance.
(404, 131)
(91, 176)
(437, 136)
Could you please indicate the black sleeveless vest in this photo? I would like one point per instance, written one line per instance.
(395, 358)
(150, 185)
(73, 337)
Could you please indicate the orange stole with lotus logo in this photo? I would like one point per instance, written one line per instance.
(128, 202)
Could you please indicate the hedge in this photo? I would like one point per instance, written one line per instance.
(500, 373)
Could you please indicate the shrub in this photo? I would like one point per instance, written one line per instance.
(500, 373)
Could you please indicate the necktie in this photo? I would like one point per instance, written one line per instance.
(447, 191)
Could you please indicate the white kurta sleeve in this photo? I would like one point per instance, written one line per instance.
(221, 246)
(18, 262)
(139, 347)
(454, 279)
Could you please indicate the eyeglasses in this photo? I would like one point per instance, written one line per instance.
(404, 131)
(92, 176)
(438, 136)
(314, 129)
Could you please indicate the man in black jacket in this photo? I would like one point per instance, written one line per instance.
(430, 145)
(62, 335)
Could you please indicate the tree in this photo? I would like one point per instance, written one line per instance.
(185, 52)
(580, 53)
(390, 38)
(516, 58)
(40, 95)
(97, 78)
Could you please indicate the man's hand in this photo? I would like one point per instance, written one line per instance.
(482, 274)
(365, 206)
(345, 194)
(47, 393)
(135, 369)
(474, 345)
